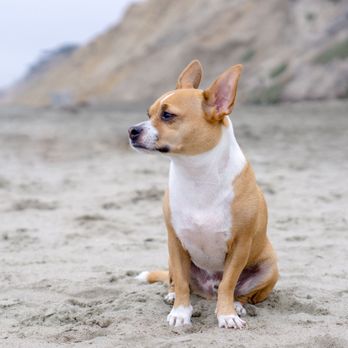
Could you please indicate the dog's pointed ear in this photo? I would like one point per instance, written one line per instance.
(191, 76)
(219, 98)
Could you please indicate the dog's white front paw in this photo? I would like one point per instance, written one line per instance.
(239, 309)
(169, 298)
(231, 321)
(180, 316)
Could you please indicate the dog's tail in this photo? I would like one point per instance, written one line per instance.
(153, 277)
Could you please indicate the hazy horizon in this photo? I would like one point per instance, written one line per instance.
(29, 28)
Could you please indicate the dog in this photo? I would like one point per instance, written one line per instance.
(214, 211)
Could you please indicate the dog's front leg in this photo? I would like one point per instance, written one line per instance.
(180, 266)
(180, 269)
(235, 262)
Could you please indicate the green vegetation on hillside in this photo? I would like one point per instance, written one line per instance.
(248, 55)
(267, 95)
(279, 69)
(337, 51)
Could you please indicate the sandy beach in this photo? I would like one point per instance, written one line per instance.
(81, 216)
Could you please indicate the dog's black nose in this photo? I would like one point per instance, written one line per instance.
(134, 132)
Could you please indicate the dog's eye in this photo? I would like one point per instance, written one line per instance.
(167, 116)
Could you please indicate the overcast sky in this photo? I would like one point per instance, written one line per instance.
(28, 27)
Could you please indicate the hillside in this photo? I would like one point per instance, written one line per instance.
(292, 50)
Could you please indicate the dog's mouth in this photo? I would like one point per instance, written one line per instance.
(163, 149)
(139, 146)
(143, 148)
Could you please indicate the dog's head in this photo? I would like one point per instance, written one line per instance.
(188, 120)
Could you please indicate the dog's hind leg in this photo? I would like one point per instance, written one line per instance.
(170, 297)
(255, 283)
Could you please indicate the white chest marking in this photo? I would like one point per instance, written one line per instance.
(200, 197)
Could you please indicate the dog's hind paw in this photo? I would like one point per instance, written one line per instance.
(169, 298)
(239, 309)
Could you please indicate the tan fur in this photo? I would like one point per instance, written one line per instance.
(158, 276)
(191, 76)
(179, 261)
(190, 134)
(249, 244)
(200, 116)
(214, 109)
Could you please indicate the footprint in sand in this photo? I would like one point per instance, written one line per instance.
(152, 194)
(34, 204)
(285, 300)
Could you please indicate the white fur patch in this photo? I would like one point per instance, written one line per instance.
(231, 321)
(180, 316)
(166, 96)
(200, 194)
(143, 276)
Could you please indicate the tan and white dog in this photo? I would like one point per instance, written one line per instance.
(215, 213)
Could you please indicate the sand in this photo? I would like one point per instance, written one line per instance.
(81, 215)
